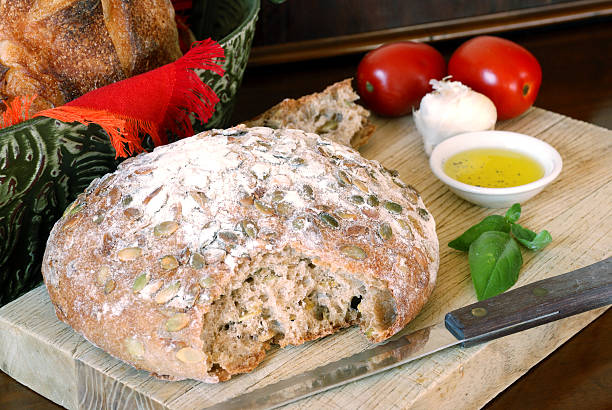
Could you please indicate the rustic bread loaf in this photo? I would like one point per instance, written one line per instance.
(192, 260)
(331, 113)
(60, 50)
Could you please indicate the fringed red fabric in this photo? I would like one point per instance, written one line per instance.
(16, 110)
(194, 96)
(155, 103)
(124, 138)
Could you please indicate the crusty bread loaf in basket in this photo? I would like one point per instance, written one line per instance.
(59, 50)
(192, 260)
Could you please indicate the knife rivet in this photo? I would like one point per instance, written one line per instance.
(479, 312)
(539, 291)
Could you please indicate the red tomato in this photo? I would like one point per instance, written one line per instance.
(393, 78)
(502, 70)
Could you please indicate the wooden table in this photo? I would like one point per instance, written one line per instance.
(578, 83)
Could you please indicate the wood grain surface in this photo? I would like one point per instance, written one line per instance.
(46, 355)
(577, 82)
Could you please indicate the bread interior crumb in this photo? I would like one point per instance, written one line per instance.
(332, 113)
(287, 298)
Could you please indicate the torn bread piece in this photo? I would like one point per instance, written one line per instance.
(332, 113)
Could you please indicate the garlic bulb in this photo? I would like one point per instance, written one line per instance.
(452, 108)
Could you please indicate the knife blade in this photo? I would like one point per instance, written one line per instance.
(510, 312)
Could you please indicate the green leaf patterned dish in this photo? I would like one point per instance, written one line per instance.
(233, 25)
(45, 164)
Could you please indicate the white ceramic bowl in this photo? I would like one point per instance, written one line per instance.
(545, 154)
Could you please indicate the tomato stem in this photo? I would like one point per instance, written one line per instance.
(526, 88)
(369, 87)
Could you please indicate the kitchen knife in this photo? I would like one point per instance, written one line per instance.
(510, 312)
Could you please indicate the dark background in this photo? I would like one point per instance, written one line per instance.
(299, 30)
(299, 20)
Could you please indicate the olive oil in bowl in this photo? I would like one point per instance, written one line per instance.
(493, 168)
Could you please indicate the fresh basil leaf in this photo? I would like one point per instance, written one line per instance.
(522, 233)
(541, 240)
(490, 223)
(495, 261)
(529, 239)
(513, 214)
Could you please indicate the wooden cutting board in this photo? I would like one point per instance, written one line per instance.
(49, 357)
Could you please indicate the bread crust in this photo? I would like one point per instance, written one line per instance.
(119, 265)
(311, 112)
(61, 50)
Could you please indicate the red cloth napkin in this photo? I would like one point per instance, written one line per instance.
(157, 103)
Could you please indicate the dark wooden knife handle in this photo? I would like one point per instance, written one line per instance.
(534, 304)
